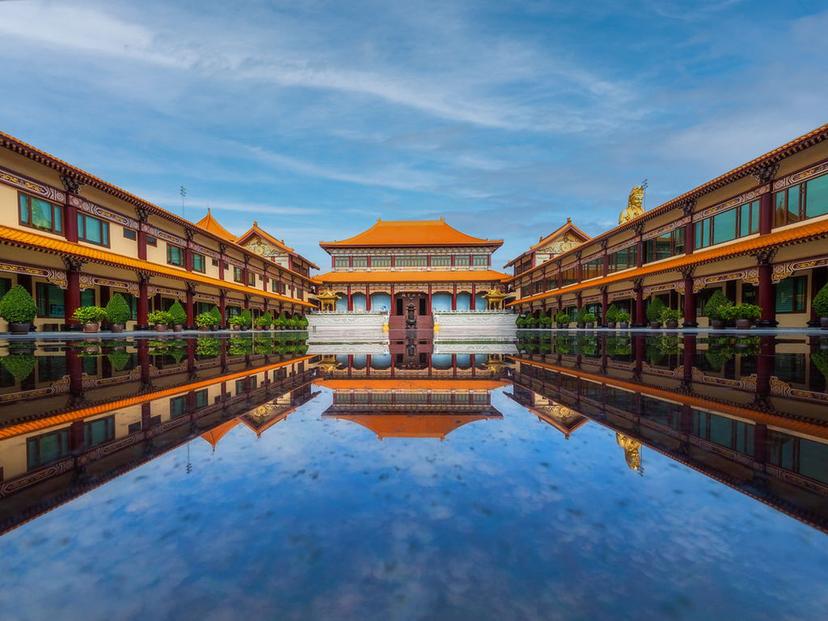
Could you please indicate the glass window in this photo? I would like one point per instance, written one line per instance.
(200, 397)
(152, 241)
(178, 406)
(40, 214)
(251, 278)
(342, 262)
(440, 260)
(199, 262)
(87, 297)
(237, 274)
(461, 259)
(130, 234)
(175, 255)
(93, 230)
(724, 226)
(5, 285)
(360, 261)
(480, 260)
(790, 295)
(47, 448)
(98, 431)
(49, 300)
(623, 259)
(380, 261)
(816, 197)
(412, 261)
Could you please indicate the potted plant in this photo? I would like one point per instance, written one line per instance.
(589, 320)
(160, 319)
(671, 317)
(90, 316)
(654, 310)
(744, 314)
(206, 321)
(623, 318)
(118, 359)
(236, 322)
(562, 319)
(118, 312)
(545, 321)
(821, 306)
(20, 366)
(208, 346)
(713, 308)
(265, 321)
(579, 318)
(303, 322)
(19, 309)
(216, 313)
(612, 316)
(178, 316)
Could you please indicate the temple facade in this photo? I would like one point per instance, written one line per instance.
(757, 233)
(410, 269)
(72, 239)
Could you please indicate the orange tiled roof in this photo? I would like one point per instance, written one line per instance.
(279, 243)
(210, 224)
(217, 433)
(752, 414)
(804, 232)
(79, 414)
(436, 426)
(567, 226)
(368, 277)
(791, 147)
(50, 244)
(410, 384)
(400, 233)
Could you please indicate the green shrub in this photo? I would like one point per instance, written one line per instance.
(612, 313)
(215, 312)
(206, 320)
(670, 314)
(562, 318)
(821, 302)
(117, 310)
(654, 310)
(545, 321)
(237, 321)
(588, 317)
(207, 347)
(89, 314)
(747, 311)
(178, 314)
(20, 366)
(820, 360)
(118, 359)
(280, 322)
(715, 303)
(160, 317)
(622, 316)
(17, 306)
(264, 321)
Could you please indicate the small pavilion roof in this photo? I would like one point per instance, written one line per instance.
(217, 433)
(401, 233)
(209, 223)
(279, 243)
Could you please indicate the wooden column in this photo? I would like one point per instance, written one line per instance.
(143, 217)
(367, 297)
(604, 305)
(189, 306)
(428, 301)
(766, 295)
(71, 296)
(473, 302)
(640, 320)
(143, 301)
(74, 369)
(222, 307)
(764, 175)
(690, 319)
(70, 212)
(350, 300)
(689, 227)
(222, 248)
(454, 298)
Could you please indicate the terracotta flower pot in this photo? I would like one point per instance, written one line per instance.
(655, 325)
(117, 327)
(91, 327)
(672, 324)
(590, 325)
(717, 324)
(580, 325)
(623, 325)
(178, 327)
(743, 324)
(20, 327)
(160, 327)
(611, 325)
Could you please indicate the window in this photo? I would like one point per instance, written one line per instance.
(440, 260)
(380, 261)
(152, 241)
(480, 260)
(200, 398)
(728, 225)
(40, 214)
(360, 262)
(623, 259)
(664, 246)
(800, 202)
(569, 275)
(277, 287)
(130, 234)
(5, 285)
(93, 230)
(251, 278)
(237, 274)
(47, 448)
(342, 261)
(178, 406)
(49, 300)
(593, 268)
(199, 262)
(98, 431)
(87, 297)
(175, 255)
(790, 295)
(461, 260)
(411, 262)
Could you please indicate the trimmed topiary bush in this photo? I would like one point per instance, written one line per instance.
(821, 302)
(206, 320)
(654, 310)
(18, 306)
(612, 314)
(714, 305)
(160, 317)
(20, 366)
(178, 314)
(118, 311)
(89, 314)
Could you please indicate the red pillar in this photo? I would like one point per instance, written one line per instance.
(144, 360)
(604, 305)
(766, 213)
(454, 298)
(70, 212)
(143, 301)
(690, 319)
(368, 298)
(350, 300)
(473, 302)
(189, 306)
(640, 317)
(71, 296)
(428, 301)
(74, 369)
(767, 297)
(222, 306)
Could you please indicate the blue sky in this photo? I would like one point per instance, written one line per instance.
(315, 118)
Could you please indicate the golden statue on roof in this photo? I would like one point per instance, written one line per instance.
(635, 203)
(632, 451)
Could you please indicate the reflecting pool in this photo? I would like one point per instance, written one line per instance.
(573, 475)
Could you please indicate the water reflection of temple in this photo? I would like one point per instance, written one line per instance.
(756, 422)
(62, 436)
(410, 391)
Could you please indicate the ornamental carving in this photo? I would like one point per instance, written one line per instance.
(784, 270)
(803, 175)
(205, 251)
(22, 183)
(174, 293)
(56, 277)
(102, 212)
(620, 295)
(70, 184)
(667, 286)
(750, 275)
(765, 172)
(732, 202)
(622, 245)
(156, 232)
(666, 228)
(206, 297)
(88, 281)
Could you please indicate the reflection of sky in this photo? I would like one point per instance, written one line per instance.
(504, 519)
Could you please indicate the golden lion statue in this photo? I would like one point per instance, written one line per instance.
(635, 204)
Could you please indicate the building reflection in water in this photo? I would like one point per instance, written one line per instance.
(749, 411)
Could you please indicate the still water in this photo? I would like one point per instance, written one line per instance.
(583, 477)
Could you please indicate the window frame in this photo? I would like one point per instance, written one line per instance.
(82, 219)
(203, 262)
(181, 251)
(55, 208)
